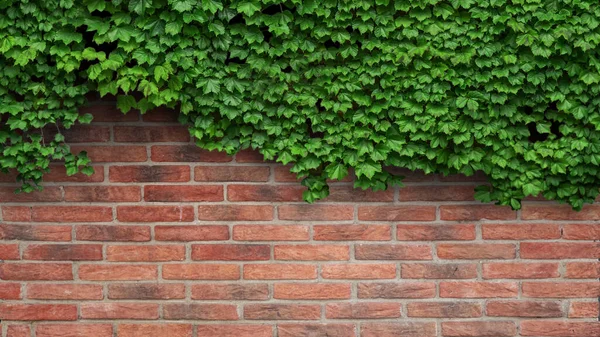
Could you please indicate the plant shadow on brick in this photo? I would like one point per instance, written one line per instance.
(439, 86)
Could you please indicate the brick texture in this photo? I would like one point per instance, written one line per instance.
(166, 239)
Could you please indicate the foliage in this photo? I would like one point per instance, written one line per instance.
(509, 88)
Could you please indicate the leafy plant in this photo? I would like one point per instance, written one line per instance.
(509, 88)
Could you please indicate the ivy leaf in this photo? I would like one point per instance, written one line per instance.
(367, 169)
(126, 102)
(337, 171)
(248, 8)
(139, 6)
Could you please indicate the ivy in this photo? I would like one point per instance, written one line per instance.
(509, 88)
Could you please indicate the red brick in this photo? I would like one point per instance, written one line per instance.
(439, 270)
(270, 233)
(303, 212)
(437, 193)
(18, 331)
(35, 232)
(392, 252)
(186, 153)
(155, 213)
(191, 233)
(477, 289)
(45, 291)
(229, 252)
(119, 311)
(74, 330)
(238, 330)
(249, 156)
(237, 292)
(444, 309)
(231, 173)
(155, 330)
(362, 310)
(121, 272)
(48, 194)
(235, 212)
(146, 291)
(559, 212)
(112, 233)
(524, 309)
(104, 112)
(312, 252)
(581, 232)
(283, 175)
(59, 174)
(215, 312)
(561, 289)
(404, 329)
(62, 252)
(478, 176)
(16, 213)
(183, 193)
(161, 115)
(10, 291)
(38, 312)
(520, 232)
(352, 232)
(36, 271)
(560, 250)
(153, 253)
(111, 154)
(351, 194)
(311, 291)
(80, 134)
(201, 272)
(71, 213)
(518, 270)
(435, 232)
(270, 193)
(150, 134)
(149, 173)
(584, 309)
(475, 251)
(102, 193)
(359, 271)
(397, 213)
(9, 251)
(560, 328)
(477, 329)
(396, 290)
(476, 212)
(282, 311)
(279, 272)
(583, 270)
(314, 329)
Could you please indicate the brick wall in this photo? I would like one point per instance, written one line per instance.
(168, 240)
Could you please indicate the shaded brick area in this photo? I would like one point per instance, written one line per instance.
(166, 239)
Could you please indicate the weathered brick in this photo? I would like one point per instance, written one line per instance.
(10, 291)
(478, 329)
(35, 232)
(163, 133)
(351, 194)
(227, 252)
(312, 252)
(303, 212)
(314, 329)
(16, 213)
(520, 231)
(559, 212)
(435, 232)
(282, 311)
(36, 271)
(438, 270)
(58, 174)
(18, 330)
(476, 212)
(48, 194)
(393, 252)
(155, 213)
(9, 251)
(475, 251)
(215, 312)
(539, 309)
(112, 233)
(74, 330)
(119, 311)
(581, 232)
(272, 193)
(560, 328)
(437, 193)
(476, 289)
(146, 291)
(80, 134)
(186, 153)
(161, 115)
(352, 232)
(561, 289)
(560, 250)
(404, 329)
(63, 252)
(396, 213)
(518, 270)
(149, 173)
(359, 271)
(444, 309)
(191, 233)
(396, 290)
(311, 291)
(112, 154)
(232, 173)
(279, 272)
(238, 330)
(102, 193)
(201, 272)
(120, 272)
(362, 310)
(176, 193)
(255, 292)
(45, 291)
(155, 330)
(584, 309)
(71, 213)
(235, 212)
(38, 312)
(270, 233)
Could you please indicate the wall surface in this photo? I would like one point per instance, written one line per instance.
(168, 240)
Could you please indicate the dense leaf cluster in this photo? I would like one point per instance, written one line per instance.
(507, 87)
